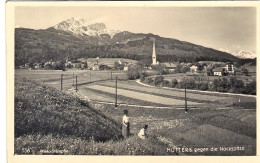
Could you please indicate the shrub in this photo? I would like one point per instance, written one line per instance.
(165, 83)
(133, 73)
(149, 80)
(190, 84)
(203, 86)
(143, 76)
(250, 88)
(59, 65)
(174, 83)
(158, 80)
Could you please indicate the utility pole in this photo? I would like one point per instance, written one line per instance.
(61, 80)
(76, 83)
(111, 75)
(186, 109)
(90, 75)
(116, 93)
(73, 79)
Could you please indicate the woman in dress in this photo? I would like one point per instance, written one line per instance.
(126, 125)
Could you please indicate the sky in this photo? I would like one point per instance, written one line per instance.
(223, 28)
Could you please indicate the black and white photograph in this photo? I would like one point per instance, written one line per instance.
(134, 80)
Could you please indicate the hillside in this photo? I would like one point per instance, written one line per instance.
(43, 110)
(48, 121)
(76, 39)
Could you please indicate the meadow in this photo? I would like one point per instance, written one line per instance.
(50, 121)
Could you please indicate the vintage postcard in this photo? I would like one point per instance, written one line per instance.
(131, 79)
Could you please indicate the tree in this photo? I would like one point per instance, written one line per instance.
(59, 65)
(250, 88)
(133, 72)
(244, 71)
(184, 69)
(174, 82)
(84, 65)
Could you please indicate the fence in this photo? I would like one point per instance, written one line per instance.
(74, 79)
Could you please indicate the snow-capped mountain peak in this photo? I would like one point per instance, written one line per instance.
(81, 27)
(245, 54)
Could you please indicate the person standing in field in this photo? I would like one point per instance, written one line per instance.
(142, 133)
(126, 125)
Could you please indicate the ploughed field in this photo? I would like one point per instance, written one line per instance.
(220, 122)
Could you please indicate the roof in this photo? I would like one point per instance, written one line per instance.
(169, 64)
(218, 69)
(193, 66)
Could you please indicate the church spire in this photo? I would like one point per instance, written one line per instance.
(154, 54)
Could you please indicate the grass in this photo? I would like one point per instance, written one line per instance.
(207, 128)
(51, 122)
(49, 144)
(48, 121)
(40, 109)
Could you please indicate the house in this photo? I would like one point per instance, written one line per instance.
(37, 66)
(125, 68)
(169, 67)
(219, 71)
(95, 67)
(26, 65)
(194, 69)
(68, 64)
(230, 68)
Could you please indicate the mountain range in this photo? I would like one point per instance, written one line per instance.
(76, 38)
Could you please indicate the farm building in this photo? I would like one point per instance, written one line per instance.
(125, 68)
(194, 69)
(168, 66)
(219, 71)
(95, 67)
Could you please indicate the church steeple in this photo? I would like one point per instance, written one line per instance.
(154, 54)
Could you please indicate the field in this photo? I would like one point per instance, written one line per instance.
(214, 120)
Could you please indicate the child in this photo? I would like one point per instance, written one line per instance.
(126, 125)
(142, 133)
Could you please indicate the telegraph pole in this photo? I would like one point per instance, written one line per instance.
(76, 83)
(61, 80)
(186, 109)
(73, 79)
(116, 93)
(90, 75)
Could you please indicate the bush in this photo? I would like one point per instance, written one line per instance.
(250, 88)
(133, 73)
(203, 86)
(190, 84)
(165, 83)
(59, 65)
(174, 83)
(158, 80)
(143, 76)
(149, 80)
